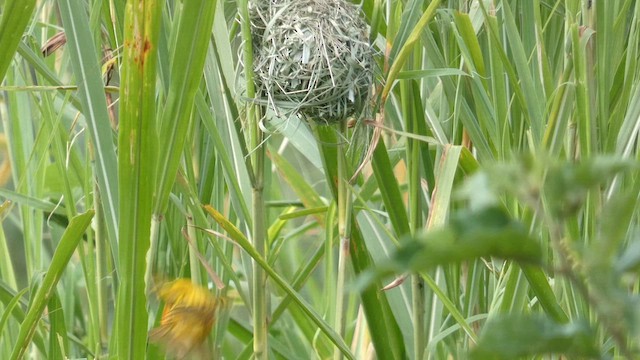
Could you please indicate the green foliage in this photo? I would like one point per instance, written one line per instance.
(15, 18)
(45, 293)
(518, 336)
(488, 232)
(137, 157)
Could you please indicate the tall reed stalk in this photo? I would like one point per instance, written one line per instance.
(260, 310)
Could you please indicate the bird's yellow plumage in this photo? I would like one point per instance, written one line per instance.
(187, 318)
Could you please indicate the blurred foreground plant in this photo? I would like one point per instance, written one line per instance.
(550, 196)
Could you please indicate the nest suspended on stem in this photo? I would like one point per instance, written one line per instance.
(312, 57)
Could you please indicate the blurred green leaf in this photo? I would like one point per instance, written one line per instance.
(474, 234)
(566, 185)
(586, 174)
(469, 235)
(55, 180)
(510, 337)
(630, 259)
(303, 190)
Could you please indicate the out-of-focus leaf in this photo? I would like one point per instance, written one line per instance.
(54, 180)
(514, 336)
(488, 232)
(630, 258)
(567, 186)
(305, 192)
(614, 221)
(469, 235)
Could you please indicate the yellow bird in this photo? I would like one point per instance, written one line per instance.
(188, 316)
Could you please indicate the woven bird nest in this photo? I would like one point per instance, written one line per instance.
(312, 57)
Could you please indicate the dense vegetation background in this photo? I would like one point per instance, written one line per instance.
(495, 217)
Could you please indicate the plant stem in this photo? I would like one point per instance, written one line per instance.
(417, 304)
(344, 232)
(256, 168)
(415, 213)
(259, 278)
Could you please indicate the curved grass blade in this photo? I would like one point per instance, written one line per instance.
(61, 257)
(244, 243)
(534, 335)
(12, 308)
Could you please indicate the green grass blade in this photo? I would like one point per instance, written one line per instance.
(58, 340)
(11, 308)
(532, 105)
(407, 48)
(37, 62)
(384, 329)
(16, 15)
(303, 190)
(68, 243)
(137, 157)
(87, 69)
(410, 16)
(230, 159)
(7, 272)
(192, 39)
(244, 243)
(540, 285)
(389, 189)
